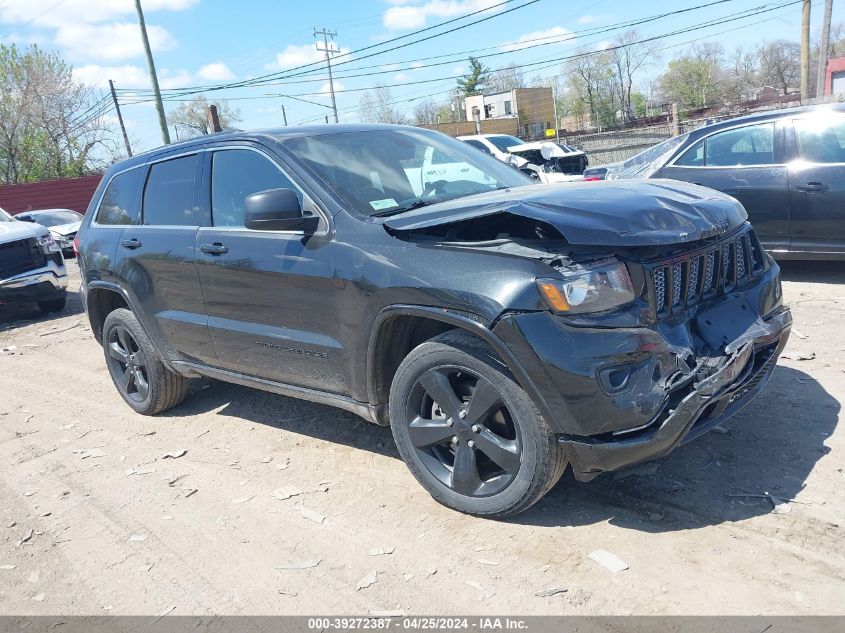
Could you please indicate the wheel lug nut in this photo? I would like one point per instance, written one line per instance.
(471, 444)
(462, 414)
(455, 439)
(476, 428)
(450, 422)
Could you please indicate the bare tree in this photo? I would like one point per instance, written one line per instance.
(50, 125)
(628, 58)
(591, 81)
(743, 75)
(504, 79)
(426, 112)
(780, 64)
(191, 117)
(377, 107)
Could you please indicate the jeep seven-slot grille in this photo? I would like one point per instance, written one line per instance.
(19, 257)
(705, 272)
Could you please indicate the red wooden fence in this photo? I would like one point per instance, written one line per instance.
(68, 193)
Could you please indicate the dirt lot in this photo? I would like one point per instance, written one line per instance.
(94, 519)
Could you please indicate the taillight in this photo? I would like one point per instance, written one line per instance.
(76, 247)
(591, 178)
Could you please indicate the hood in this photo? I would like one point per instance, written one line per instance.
(65, 229)
(12, 231)
(619, 213)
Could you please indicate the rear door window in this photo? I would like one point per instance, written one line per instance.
(120, 203)
(821, 141)
(745, 146)
(169, 197)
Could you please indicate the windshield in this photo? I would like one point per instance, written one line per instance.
(5, 217)
(647, 162)
(384, 172)
(503, 142)
(55, 218)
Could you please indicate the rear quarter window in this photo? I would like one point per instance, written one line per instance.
(120, 204)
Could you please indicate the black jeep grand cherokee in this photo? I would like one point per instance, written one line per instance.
(503, 329)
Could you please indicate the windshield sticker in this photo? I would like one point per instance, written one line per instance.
(386, 203)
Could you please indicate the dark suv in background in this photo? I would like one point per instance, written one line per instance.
(786, 167)
(503, 329)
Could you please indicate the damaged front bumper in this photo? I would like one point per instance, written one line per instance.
(41, 284)
(745, 371)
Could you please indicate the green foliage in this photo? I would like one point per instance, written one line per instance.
(474, 82)
(47, 123)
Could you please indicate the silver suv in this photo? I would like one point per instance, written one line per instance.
(31, 265)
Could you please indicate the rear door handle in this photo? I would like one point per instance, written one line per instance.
(214, 249)
(811, 187)
(131, 244)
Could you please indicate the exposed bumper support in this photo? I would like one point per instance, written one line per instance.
(748, 365)
(37, 285)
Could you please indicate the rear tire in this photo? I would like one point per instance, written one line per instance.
(53, 305)
(140, 377)
(483, 448)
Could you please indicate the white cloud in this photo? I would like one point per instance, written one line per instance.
(458, 70)
(325, 90)
(400, 77)
(48, 14)
(545, 35)
(216, 71)
(299, 55)
(123, 76)
(114, 41)
(404, 15)
(589, 19)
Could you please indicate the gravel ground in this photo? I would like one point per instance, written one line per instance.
(94, 519)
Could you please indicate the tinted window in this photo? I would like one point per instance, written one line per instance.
(120, 201)
(169, 195)
(750, 145)
(504, 142)
(55, 218)
(478, 145)
(237, 173)
(821, 141)
(693, 157)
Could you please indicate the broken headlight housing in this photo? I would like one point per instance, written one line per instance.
(595, 288)
(48, 244)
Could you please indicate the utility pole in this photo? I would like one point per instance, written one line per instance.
(214, 119)
(822, 75)
(805, 51)
(165, 134)
(554, 103)
(329, 52)
(120, 119)
(284, 115)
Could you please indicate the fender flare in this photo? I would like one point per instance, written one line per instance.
(463, 320)
(164, 357)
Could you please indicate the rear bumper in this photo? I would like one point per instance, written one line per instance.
(43, 284)
(745, 371)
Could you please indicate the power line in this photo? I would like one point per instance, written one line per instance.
(278, 75)
(28, 22)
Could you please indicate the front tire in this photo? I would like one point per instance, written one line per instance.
(141, 378)
(468, 432)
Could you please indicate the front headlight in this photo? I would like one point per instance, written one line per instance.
(594, 288)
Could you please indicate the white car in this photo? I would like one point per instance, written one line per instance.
(545, 161)
(62, 224)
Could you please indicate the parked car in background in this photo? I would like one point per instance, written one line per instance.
(62, 223)
(503, 330)
(31, 265)
(545, 161)
(786, 167)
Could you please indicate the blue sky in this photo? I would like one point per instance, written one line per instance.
(209, 42)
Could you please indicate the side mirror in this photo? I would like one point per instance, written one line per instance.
(277, 210)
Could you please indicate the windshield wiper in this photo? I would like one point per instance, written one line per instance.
(416, 204)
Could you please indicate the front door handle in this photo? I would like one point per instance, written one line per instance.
(214, 249)
(812, 187)
(131, 244)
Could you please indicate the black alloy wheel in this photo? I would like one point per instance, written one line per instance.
(128, 364)
(462, 431)
(468, 432)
